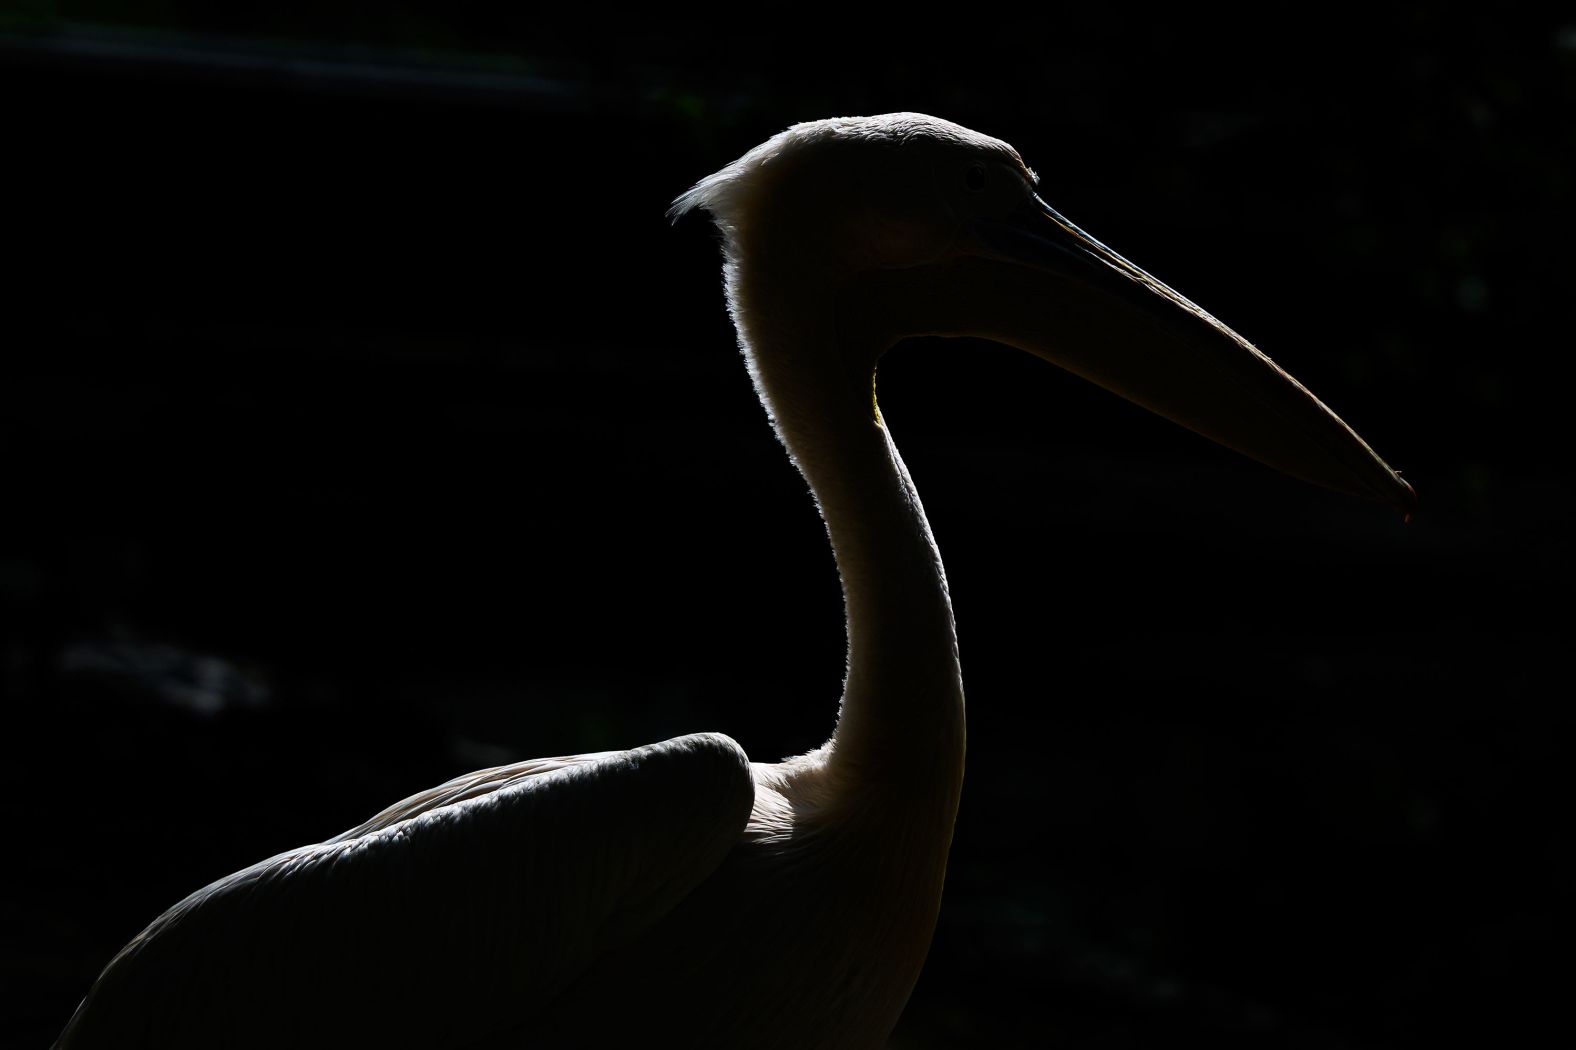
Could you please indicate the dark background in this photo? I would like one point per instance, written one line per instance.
(363, 421)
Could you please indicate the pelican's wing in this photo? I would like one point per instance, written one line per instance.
(444, 919)
(469, 785)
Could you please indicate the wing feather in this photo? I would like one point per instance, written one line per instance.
(448, 917)
(466, 786)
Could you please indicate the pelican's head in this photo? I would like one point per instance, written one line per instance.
(862, 193)
(911, 225)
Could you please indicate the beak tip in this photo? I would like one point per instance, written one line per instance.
(1407, 499)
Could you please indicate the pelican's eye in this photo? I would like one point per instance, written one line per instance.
(974, 178)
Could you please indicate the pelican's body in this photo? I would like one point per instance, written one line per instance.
(678, 894)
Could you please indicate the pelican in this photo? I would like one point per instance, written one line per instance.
(678, 894)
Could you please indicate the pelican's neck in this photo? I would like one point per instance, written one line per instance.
(902, 705)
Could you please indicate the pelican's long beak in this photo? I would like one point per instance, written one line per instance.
(1068, 298)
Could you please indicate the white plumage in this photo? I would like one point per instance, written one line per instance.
(677, 894)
